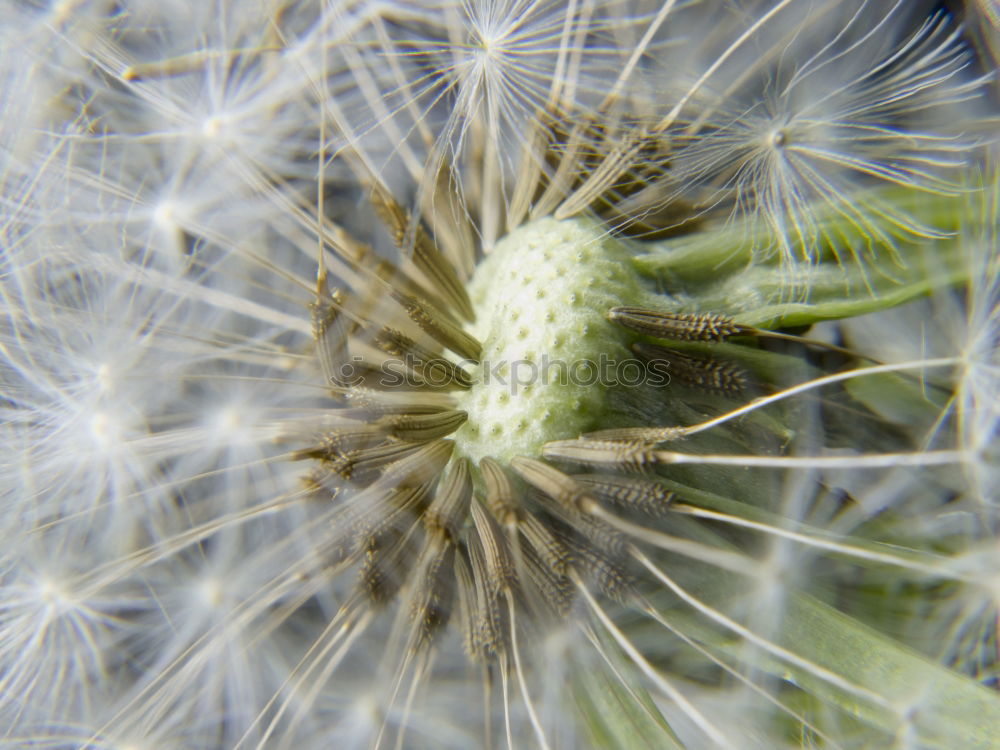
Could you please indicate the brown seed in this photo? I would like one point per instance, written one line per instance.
(500, 497)
(489, 627)
(607, 571)
(650, 435)
(677, 326)
(450, 506)
(492, 588)
(631, 455)
(572, 502)
(432, 368)
(375, 512)
(632, 493)
(554, 588)
(420, 467)
(389, 375)
(334, 444)
(499, 565)
(365, 403)
(431, 598)
(549, 551)
(422, 427)
(704, 373)
(387, 560)
(394, 278)
(449, 219)
(438, 327)
(553, 483)
(362, 465)
(467, 607)
(601, 535)
(426, 256)
(600, 179)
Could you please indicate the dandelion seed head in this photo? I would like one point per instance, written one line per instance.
(248, 548)
(539, 298)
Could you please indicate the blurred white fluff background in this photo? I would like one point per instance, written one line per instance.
(161, 573)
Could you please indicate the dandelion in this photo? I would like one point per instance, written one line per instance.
(441, 375)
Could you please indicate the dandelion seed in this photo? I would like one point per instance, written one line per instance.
(630, 455)
(309, 323)
(645, 496)
(705, 373)
(679, 326)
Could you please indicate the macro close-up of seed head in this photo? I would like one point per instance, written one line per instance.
(501, 374)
